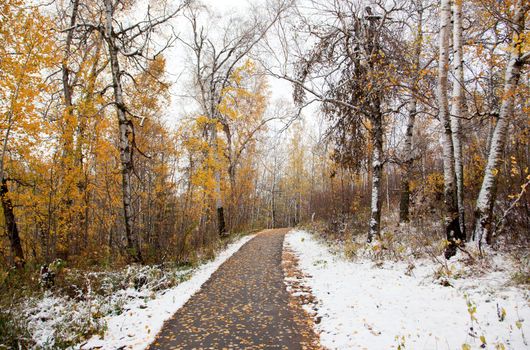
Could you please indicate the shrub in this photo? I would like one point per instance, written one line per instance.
(13, 334)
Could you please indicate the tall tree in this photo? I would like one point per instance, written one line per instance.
(130, 42)
(126, 132)
(214, 64)
(243, 119)
(457, 104)
(26, 48)
(482, 233)
(406, 176)
(451, 215)
(355, 52)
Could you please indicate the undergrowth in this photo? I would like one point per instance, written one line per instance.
(71, 306)
(406, 243)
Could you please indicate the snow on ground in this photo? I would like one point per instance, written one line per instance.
(366, 307)
(137, 327)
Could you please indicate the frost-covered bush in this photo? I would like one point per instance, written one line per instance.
(13, 334)
(60, 321)
(75, 308)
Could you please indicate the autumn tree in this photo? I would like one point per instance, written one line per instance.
(359, 94)
(296, 175)
(214, 63)
(26, 48)
(129, 42)
(518, 57)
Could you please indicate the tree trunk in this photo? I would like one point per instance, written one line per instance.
(404, 203)
(67, 88)
(68, 162)
(83, 215)
(125, 138)
(273, 195)
(11, 226)
(452, 225)
(232, 168)
(482, 232)
(377, 170)
(221, 225)
(457, 111)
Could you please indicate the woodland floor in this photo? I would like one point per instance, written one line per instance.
(243, 305)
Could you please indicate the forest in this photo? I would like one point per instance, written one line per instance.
(143, 137)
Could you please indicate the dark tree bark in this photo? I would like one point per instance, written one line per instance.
(67, 86)
(221, 221)
(11, 226)
(68, 157)
(404, 202)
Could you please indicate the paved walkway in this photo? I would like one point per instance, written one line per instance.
(244, 305)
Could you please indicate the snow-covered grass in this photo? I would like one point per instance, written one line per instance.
(396, 305)
(65, 316)
(144, 316)
(122, 308)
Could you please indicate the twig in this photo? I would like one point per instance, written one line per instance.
(499, 224)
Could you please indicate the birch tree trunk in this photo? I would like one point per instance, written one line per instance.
(125, 137)
(232, 169)
(73, 230)
(377, 170)
(482, 233)
(457, 111)
(219, 208)
(452, 225)
(273, 206)
(404, 203)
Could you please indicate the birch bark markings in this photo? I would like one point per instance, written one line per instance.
(219, 207)
(375, 115)
(482, 233)
(451, 215)
(125, 135)
(377, 172)
(457, 110)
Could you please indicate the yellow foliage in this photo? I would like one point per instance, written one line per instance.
(435, 183)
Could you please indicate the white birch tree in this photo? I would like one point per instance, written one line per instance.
(451, 222)
(457, 110)
(482, 233)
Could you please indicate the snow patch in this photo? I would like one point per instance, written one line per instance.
(386, 307)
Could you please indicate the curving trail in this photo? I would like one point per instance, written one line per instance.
(244, 305)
